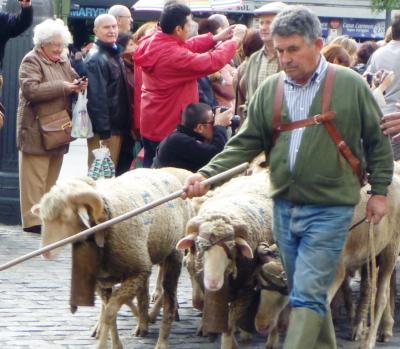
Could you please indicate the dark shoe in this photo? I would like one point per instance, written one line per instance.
(36, 229)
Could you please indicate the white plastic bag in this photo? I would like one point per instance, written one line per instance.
(81, 124)
(102, 165)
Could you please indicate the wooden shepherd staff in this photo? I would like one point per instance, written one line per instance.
(85, 233)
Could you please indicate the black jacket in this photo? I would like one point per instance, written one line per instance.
(108, 98)
(187, 149)
(13, 25)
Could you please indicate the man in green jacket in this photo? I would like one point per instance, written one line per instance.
(314, 187)
(264, 62)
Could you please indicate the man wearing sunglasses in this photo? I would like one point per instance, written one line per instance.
(196, 141)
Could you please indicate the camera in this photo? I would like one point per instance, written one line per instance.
(81, 79)
(235, 120)
(235, 123)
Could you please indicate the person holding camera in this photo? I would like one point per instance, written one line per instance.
(171, 64)
(47, 82)
(11, 26)
(196, 141)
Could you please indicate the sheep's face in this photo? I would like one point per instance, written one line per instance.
(217, 244)
(215, 264)
(217, 240)
(61, 227)
(67, 209)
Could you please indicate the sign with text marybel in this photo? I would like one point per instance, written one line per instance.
(87, 11)
(363, 28)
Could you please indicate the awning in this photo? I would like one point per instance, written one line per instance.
(101, 3)
(195, 5)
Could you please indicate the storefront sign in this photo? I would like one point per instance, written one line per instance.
(247, 7)
(364, 28)
(87, 12)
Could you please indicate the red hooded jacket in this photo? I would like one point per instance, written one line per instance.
(170, 69)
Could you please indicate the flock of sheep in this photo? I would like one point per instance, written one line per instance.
(225, 240)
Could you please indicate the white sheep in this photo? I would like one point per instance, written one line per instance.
(228, 227)
(130, 247)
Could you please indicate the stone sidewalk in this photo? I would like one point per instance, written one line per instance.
(34, 310)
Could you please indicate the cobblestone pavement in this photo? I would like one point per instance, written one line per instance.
(34, 311)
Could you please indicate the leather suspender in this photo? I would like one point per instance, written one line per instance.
(277, 111)
(324, 118)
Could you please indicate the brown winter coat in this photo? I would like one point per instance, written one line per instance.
(41, 93)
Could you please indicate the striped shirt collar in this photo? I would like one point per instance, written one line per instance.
(318, 74)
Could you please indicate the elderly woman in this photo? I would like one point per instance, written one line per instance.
(47, 82)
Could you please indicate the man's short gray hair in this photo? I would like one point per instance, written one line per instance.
(297, 20)
(50, 29)
(222, 20)
(100, 18)
(118, 11)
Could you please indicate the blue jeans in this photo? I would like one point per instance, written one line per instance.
(310, 239)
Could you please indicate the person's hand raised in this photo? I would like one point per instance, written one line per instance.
(239, 33)
(225, 34)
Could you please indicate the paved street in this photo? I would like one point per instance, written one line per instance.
(34, 298)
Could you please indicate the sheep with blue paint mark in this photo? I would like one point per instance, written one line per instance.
(223, 237)
(131, 247)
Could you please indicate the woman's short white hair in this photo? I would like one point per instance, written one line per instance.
(49, 29)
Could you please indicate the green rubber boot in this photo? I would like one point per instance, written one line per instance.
(304, 328)
(327, 336)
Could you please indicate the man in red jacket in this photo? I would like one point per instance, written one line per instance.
(171, 66)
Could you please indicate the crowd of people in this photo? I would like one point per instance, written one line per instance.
(171, 89)
(207, 96)
(189, 93)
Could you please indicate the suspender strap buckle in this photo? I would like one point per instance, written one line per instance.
(314, 120)
(317, 119)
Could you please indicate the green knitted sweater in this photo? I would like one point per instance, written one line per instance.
(321, 175)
